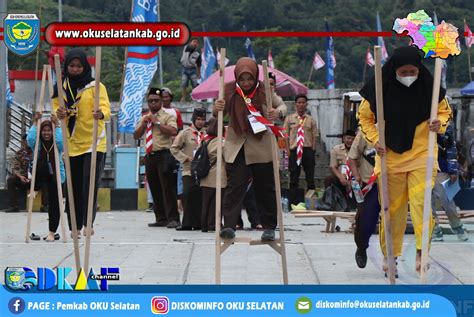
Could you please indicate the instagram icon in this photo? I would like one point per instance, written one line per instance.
(160, 305)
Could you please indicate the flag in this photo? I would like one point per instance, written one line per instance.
(469, 38)
(380, 41)
(208, 60)
(318, 62)
(369, 59)
(330, 61)
(8, 93)
(248, 46)
(218, 54)
(141, 64)
(270, 59)
(444, 64)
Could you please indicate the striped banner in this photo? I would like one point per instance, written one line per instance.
(139, 71)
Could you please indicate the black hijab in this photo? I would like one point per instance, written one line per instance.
(76, 83)
(404, 107)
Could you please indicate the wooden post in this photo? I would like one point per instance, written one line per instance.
(220, 125)
(383, 183)
(90, 206)
(67, 165)
(57, 164)
(39, 108)
(429, 172)
(276, 177)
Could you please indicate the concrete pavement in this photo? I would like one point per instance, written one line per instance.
(166, 256)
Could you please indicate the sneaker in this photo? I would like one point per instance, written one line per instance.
(268, 235)
(299, 207)
(173, 224)
(437, 235)
(461, 233)
(227, 233)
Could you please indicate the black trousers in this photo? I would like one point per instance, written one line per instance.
(53, 203)
(208, 215)
(366, 218)
(80, 176)
(192, 203)
(308, 163)
(250, 205)
(160, 173)
(238, 174)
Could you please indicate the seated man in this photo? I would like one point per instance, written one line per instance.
(19, 178)
(338, 165)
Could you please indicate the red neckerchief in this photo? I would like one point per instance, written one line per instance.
(258, 116)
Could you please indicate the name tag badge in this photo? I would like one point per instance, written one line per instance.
(194, 153)
(257, 127)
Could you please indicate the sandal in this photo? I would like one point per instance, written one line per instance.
(35, 237)
(56, 237)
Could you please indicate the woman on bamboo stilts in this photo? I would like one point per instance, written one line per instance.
(407, 90)
(79, 94)
(46, 167)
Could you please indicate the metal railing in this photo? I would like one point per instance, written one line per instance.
(19, 119)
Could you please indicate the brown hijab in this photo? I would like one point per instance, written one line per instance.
(235, 104)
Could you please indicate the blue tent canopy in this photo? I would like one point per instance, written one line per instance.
(468, 90)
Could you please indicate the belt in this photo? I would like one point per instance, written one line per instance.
(158, 152)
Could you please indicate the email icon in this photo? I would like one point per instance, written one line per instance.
(303, 305)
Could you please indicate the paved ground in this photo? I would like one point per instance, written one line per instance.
(166, 256)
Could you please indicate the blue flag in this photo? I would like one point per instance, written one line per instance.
(8, 93)
(208, 60)
(248, 46)
(380, 41)
(330, 61)
(139, 70)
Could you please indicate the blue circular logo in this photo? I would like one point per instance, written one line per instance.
(16, 305)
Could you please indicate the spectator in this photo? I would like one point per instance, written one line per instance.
(191, 62)
(19, 178)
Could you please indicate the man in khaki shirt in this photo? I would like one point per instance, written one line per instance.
(361, 162)
(183, 148)
(279, 106)
(338, 166)
(292, 124)
(160, 165)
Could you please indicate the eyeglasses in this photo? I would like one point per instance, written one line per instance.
(156, 100)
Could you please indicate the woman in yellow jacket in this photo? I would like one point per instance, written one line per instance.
(79, 90)
(407, 90)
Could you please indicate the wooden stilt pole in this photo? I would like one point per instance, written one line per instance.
(39, 108)
(276, 177)
(383, 183)
(67, 165)
(56, 162)
(220, 125)
(429, 173)
(90, 206)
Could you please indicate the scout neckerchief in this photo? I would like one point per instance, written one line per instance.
(71, 101)
(258, 116)
(300, 139)
(198, 134)
(149, 137)
(348, 174)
